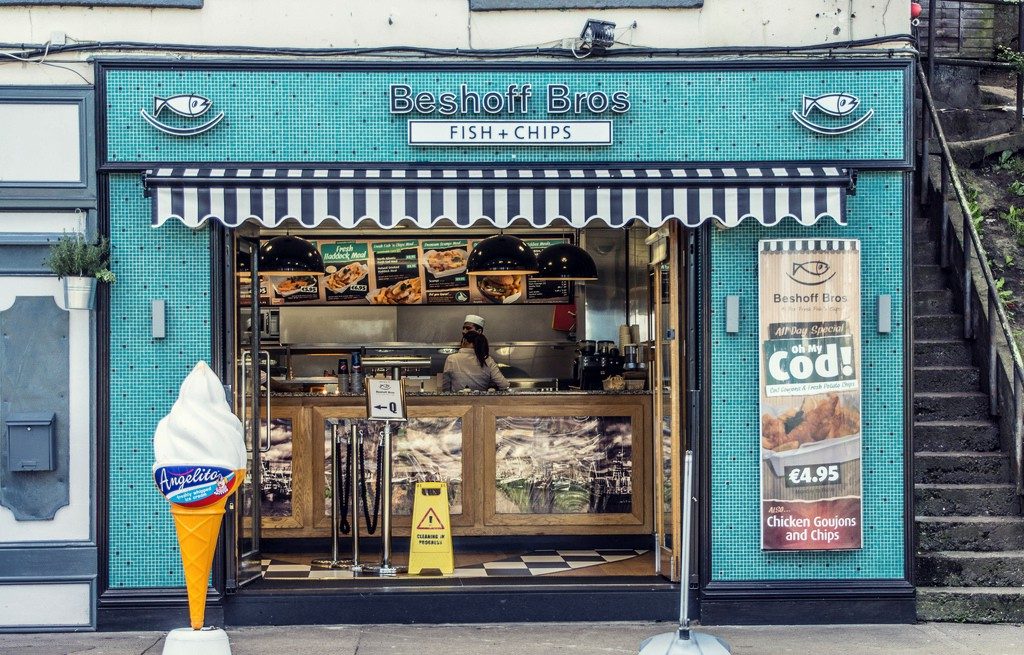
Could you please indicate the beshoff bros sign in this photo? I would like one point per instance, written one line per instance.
(515, 99)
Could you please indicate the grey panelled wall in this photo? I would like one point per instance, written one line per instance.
(34, 378)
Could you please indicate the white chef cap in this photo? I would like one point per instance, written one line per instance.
(475, 320)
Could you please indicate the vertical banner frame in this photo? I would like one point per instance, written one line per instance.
(809, 342)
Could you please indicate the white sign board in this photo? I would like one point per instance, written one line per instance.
(509, 133)
(385, 400)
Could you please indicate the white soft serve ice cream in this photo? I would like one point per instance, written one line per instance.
(200, 429)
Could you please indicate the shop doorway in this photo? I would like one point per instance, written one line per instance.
(287, 526)
(252, 370)
(667, 277)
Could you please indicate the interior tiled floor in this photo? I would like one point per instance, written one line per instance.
(549, 563)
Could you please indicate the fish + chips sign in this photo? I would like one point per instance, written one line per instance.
(834, 105)
(470, 117)
(187, 105)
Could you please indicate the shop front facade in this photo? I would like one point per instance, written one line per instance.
(724, 174)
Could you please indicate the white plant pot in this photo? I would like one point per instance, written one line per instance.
(80, 292)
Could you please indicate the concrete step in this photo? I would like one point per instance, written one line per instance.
(936, 301)
(961, 467)
(929, 277)
(966, 500)
(939, 326)
(971, 604)
(925, 252)
(942, 352)
(957, 568)
(956, 436)
(997, 95)
(950, 406)
(979, 533)
(947, 378)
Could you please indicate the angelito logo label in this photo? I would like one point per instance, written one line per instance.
(194, 486)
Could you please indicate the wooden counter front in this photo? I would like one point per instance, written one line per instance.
(518, 464)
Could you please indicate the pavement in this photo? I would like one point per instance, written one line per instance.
(546, 639)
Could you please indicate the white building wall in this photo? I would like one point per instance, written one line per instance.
(437, 24)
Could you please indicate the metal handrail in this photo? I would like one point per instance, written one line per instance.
(972, 243)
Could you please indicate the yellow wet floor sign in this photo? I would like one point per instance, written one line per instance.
(430, 545)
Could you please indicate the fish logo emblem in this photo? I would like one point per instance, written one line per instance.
(812, 273)
(831, 104)
(187, 105)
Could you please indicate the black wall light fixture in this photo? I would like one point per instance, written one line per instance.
(597, 35)
(502, 254)
(288, 255)
(564, 261)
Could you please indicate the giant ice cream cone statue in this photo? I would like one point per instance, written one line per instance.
(200, 461)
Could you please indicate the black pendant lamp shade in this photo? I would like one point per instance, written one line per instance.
(290, 255)
(564, 261)
(502, 254)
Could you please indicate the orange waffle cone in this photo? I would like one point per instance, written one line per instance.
(198, 529)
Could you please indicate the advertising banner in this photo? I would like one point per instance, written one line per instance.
(810, 381)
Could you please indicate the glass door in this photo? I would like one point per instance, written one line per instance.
(253, 367)
(668, 410)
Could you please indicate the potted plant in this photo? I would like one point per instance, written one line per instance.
(80, 263)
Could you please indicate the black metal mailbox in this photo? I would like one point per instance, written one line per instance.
(31, 441)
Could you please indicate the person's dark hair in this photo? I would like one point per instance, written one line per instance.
(480, 346)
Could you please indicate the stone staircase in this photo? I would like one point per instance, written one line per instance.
(970, 532)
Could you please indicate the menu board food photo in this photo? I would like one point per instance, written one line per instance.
(410, 272)
(396, 273)
(296, 288)
(346, 271)
(444, 271)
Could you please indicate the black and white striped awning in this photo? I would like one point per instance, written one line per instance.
(539, 197)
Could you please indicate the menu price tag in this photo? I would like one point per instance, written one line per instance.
(385, 400)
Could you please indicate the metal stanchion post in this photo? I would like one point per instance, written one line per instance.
(684, 641)
(336, 491)
(357, 447)
(386, 568)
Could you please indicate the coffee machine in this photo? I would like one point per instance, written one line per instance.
(586, 366)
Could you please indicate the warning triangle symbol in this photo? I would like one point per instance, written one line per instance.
(430, 521)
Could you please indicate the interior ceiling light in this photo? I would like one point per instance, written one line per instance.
(597, 35)
(564, 261)
(243, 267)
(290, 255)
(502, 254)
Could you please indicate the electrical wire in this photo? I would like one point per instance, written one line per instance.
(42, 61)
(23, 51)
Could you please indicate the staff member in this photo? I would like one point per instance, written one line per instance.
(473, 323)
(472, 367)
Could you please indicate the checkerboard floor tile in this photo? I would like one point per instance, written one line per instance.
(533, 563)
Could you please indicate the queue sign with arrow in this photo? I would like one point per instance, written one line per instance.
(385, 400)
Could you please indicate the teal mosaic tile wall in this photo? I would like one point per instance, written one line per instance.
(687, 117)
(172, 263)
(678, 116)
(875, 217)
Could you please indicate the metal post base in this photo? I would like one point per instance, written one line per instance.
(332, 563)
(670, 643)
(382, 570)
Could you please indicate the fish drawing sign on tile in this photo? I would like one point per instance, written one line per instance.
(188, 105)
(831, 104)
